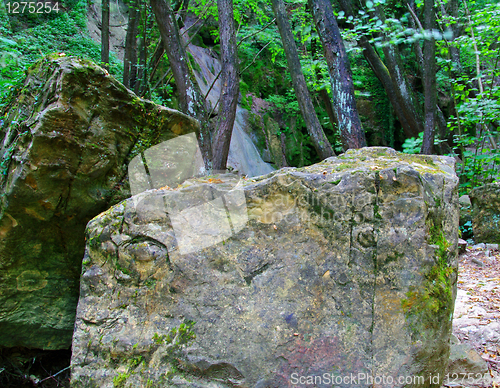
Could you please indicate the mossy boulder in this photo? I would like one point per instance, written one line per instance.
(486, 213)
(345, 269)
(68, 136)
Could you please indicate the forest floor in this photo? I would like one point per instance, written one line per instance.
(476, 321)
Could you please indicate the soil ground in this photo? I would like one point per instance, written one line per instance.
(476, 320)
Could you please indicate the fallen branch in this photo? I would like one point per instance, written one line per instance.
(54, 375)
(490, 360)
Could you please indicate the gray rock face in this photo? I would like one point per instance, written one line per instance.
(342, 273)
(67, 140)
(486, 213)
(465, 361)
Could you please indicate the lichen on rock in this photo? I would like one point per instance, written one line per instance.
(316, 277)
(67, 138)
(486, 213)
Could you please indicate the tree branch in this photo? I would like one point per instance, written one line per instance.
(255, 57)
(256, 32)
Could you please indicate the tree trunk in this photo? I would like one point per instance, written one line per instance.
(382, 73)
(142, 86)
(429, 72)
(320, 142)
(455, 27)
(351, 131)
(392, 78)
(130, 56)
(156, 58)
(191, 100)
(105, 34)
(230, 84)
(409, 103)
(140, 68)
(323, 93)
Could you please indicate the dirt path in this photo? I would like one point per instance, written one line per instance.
(476, 321)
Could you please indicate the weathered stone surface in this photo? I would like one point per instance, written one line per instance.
(486, 213)
(67, 138)
(344, 269)
(466, 365)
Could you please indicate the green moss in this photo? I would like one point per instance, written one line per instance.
(120, 380)
(430, 306)
(194, 64)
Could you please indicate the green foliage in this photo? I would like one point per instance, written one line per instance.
(466, 229)
(23, 45)
(476, 112)
(11, 72)
(413, 145)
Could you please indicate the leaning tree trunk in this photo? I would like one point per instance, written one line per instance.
(429, 72)
(351, 131)
(230, 85)
(320, 142)
(393, 81)
(105, 34)
(191, 100)
(408, 101)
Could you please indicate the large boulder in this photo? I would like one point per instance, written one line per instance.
(486, 213)
(68, 136)
(342, 273)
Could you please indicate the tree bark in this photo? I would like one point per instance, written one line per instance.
(344, 103)
(230, 85)
(156, 58)
(105, 34)
(392, 78)
(429, 72)
(319, 140)
(130, 57)
(409, 103)
(191, 100)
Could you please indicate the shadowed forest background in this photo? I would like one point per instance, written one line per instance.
(425, 74)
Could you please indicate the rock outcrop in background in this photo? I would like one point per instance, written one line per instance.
(67, 139)
(486, 213)
(344, 268)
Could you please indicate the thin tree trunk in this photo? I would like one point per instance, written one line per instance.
(130, 45)
(140, 72)
(191, 100)
(455, 27)
(429, 72)
(105, 34)
(323, 93)
(344, 103)
(319, 140)
(408, 101)
(396, 87)
(156, 58)
(415, 23)
(230, 85)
